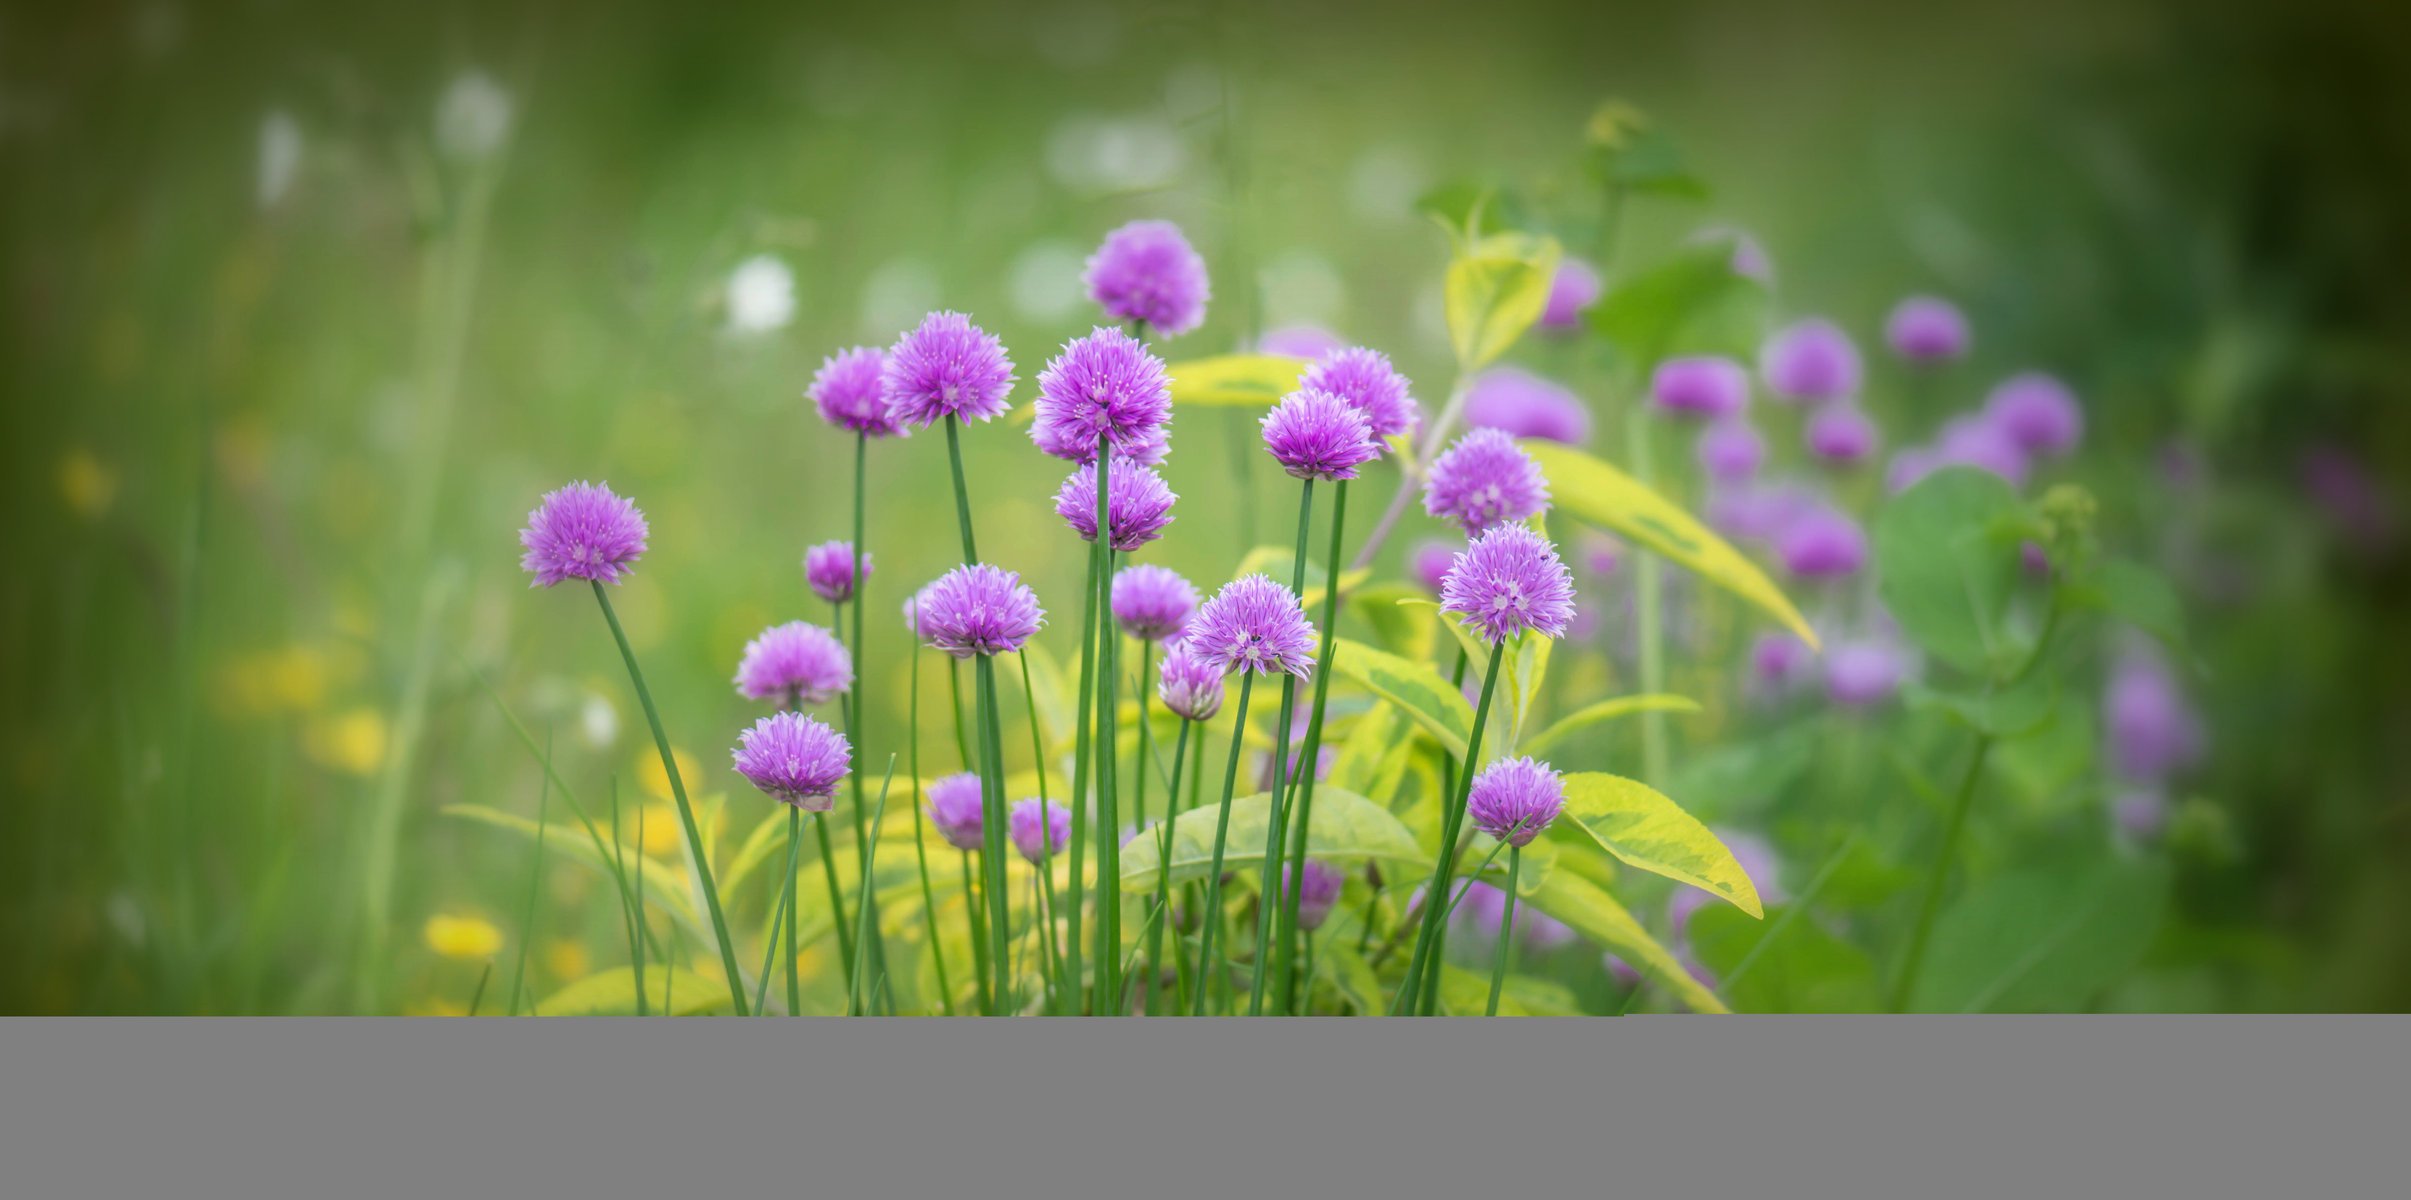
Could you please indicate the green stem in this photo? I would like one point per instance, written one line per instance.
(795, 983)
(686, 811)
(993, 827)
(1311, 753)
(920, 831)
(1103, 748)
(535, 878)
(1089, 610)
(778, 918)
(962, 494)
(972, 906)
(1163, 875)
(1453, 819)
(1209, 916)
(1652, 633)
(837, 902)
(857, 724)
(1046, 843)
(862, 912)
(1506, 944)
(1904, 988)
(1276, 827)
(1147, 763)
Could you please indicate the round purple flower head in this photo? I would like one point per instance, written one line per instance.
(1484, 481)
(1821, 544)
(2152, 732)
(1731, 451)
(2141, 813)
(1758, 511)
(1811, 360)
(1926, 329)
(1526, 405)
(1137, 507)
(1146, 271)
(1702, 385)
(848, 392)
(1514, 799)
(1035, 844)
(1432, 560)
(1309, 342)
(1507, 581)
(1982, 443)
(794, 759)
(582, 531)
(1151, 602)
(2036, 413)
(1103, 386)
(954, 807)
(1863, 674)
(1316, 435)
(1365, 379)
(979, 610)
(1254, 624)
(795, 663)
(1601, 552)
(946, 367)
(916, 612)
(829, 568)
(1779, 659)
(1573, 291)
(1318, 891)
(1190, 683)
(1840, 433)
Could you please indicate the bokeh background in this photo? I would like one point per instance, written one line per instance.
(301, 306)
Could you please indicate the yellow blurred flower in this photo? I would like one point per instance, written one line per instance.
(464, 937)
(662, 834)
(352, 741)
(436, 1006)
(657, 785)
(87, 483)
(293, 678)
(567, 960)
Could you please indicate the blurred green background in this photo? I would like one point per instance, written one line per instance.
(290, 352)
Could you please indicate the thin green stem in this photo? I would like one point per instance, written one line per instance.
(637, 929)
(699, 853)
(992, 827)
(1423, 965)
(1309, 756)
(1276, 827)
(795, 839)
(857, 725)
(1046, 844)
(1103, 748)
(535, 878)
(962, 494)
(1209, 916)
(1506, 944)
(837, 901)
(778, 918)
(920, 832)
(1904, 988)
(862, 912)
(1163, 875)
(1081, 730)
(1147, 763)
(1648, 576)
(973, 905)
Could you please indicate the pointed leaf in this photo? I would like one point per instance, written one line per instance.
(1415, 688)
(1605, 710)
(1495, 291)
(1646, 830)
(1345, 827)
(1946, 565)
(1236, 380)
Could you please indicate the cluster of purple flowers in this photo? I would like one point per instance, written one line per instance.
(2027, 418)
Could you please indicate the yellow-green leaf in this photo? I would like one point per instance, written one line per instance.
(1592, 491)
(1605, 710)
(1414, 687)
(1596, 915)
(1646, 830)
(612, 993)
(1495, 290)
(663, 884)
(1239, 380)
(1344, 827)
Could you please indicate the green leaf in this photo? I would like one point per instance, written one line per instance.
(612, 993)
(664, 885)
(1235, 380)
(1344, 827)
(1400, 632)
(1466, 993)
(1596, 493)
(2046, 939)
(1496, 288)
(2135, 594)
(1337, 961)
(1459, 204)
(1415, 688)
(1795, 966)
(1693, 303)
(1604, 711)
(1632, 821)
(2004, 713)
(1946, 562)
(1596, 915)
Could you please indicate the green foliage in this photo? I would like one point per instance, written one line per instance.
(1235, 380)
(1417, 689)
(612, 993)
(1345, 827)
(1496, 287)
(1787, 963)
(1692, 303)
(1596, 915)
(2046, 938)
(1946, 562)
(1600, 713)
(1635, 823)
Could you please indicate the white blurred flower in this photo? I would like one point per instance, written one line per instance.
(598, 721)
(1044, 281)
(474, 116)
(280, 157)
(761, 295)
(896, 296)
(1087, 152)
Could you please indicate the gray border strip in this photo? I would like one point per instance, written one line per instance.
(1923, 1106)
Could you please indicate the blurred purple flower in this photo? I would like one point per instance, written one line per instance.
(979, 609)
(1309, 342)
(1700, 386)
(1821, 544)
(829, 568)
(1523, 404)
(954, 807)
(1601, 552)
(1573, 291)
(1861, 674)
(1810, 360)
(795, 663)
(1317, 892)
(1978, 442)
(1509, 580)
(582, 531)
(1481, 907)
(1038, 842)
(1138, 505)
(1254, 624)
(1431, 561)
(1780, 659)
(2152, 731)
(1483, 481)
(1316, 435)
(1146, 271)
(2035, 413)
(1756, 858)
(794, 759)
(1105, 386)
(1926, 329)
(1365, 379)
(2140, 813)
(1730, 451)
(2352, 499)
(1151, 602)
(1840, 433)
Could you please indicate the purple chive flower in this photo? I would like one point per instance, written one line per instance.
(2036, 413)
(1316, 435)
(1982, 443)
(1811, 360)
(1601, 552)
(1779, 659)
(1572, 292)
(916, 612)
(2152, 732)
(1146, 271)
(1840, 433)
(1151, 602)
(1702, 385)
(1309, 342)
(1137, 508)
(1482, 907)
(1254, 624)
(1190, 683)
(829, 568)
(947, 367)
(795, 663)
(979, 610)
(1507, 581)
(1432, 559)
(1483, 481)
(2141, 813)
(1749, 258)
(849, 393)
(1822, 544)
(1036, 843)
(954, 807)
(1525, 405)
(1926, 329)
(1103, 386)
(794, 759)
(1862, 674)
(1758, 511)
(1317, 891)
(1756, 859)
(1730, 451)
(1365, 379)
(582, 531)
(1514, 799)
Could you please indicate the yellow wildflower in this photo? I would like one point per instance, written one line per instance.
(464, 937)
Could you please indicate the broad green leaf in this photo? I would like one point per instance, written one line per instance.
(1336, 960)
(1345, 827)
(1415, 688)
(1594, 492)
(2047, 939)
(1496, 288)
(1236, 380)
(767, 835)
(1459, 204)
(1596, 915)
(612, 993)
(1946, 562)
(2007, 712)
(1646, 830)
(2136, 595)
(1465, 993)
(1370, 742)
(1693, 303)
(1520, 676)
(1604, 711)
(664, 885)
(1400, 632)
(1794, 966)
